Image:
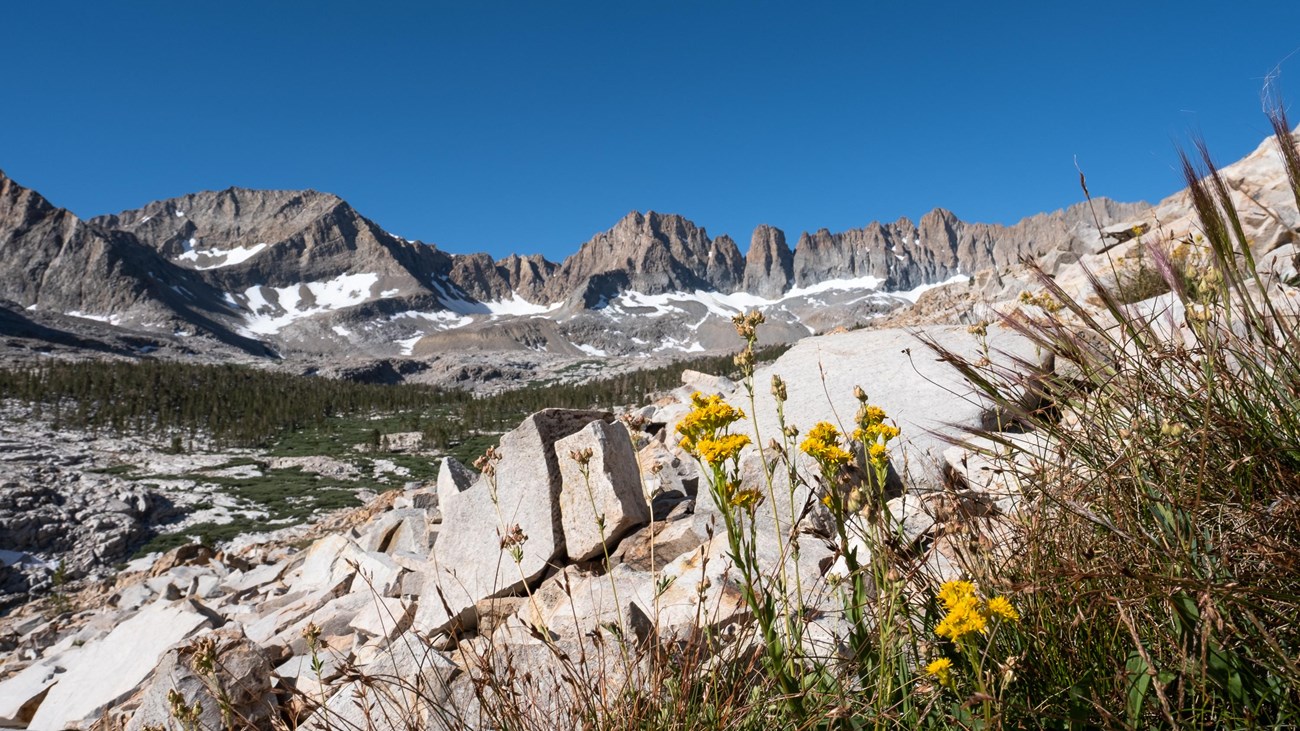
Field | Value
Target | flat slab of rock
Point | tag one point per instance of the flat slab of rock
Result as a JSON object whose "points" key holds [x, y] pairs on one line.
{"points": [[520, 503], [107, 671], [21, 694], [602, 500], [927, 398]]}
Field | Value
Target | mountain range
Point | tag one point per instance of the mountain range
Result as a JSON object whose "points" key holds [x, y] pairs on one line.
{"points": [[302, 274]]}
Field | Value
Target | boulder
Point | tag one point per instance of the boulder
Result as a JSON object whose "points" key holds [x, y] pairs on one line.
{"points": [[706, 383], [333, 620], [241, 676], [453, 478], [324, 566], [377, 573], [307, 681], [660, 543], [992, 474], [383, 617], [22, 693], [600, 497], [926, 397], [254, 577], [193, 554], [409, 681], [666, 470], [276, 615], [405, 529], [108, 671], [516, 507]]}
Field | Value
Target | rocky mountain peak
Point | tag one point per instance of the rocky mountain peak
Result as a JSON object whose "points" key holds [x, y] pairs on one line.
{"points": [[234, 218], [53, 262], [650, 253], [769, 265]]}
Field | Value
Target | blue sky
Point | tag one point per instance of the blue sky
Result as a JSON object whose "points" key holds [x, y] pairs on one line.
{"points": [[503, 127]]}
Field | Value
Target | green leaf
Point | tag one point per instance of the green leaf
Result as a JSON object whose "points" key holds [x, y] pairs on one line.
{"points": [[1139, 674]]}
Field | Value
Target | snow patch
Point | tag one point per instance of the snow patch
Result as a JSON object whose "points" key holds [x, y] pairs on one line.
{"points": [[110, 319], [217, 258], [457, 302], [592, 350], [727, 305], [444, 319], [265, 318], [911, 295]]}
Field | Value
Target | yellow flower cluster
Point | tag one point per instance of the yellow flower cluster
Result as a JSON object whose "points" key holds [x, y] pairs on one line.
{"points": [[1041, 300], [878, 455], [941, 669], [874, 434], [967, 613], [719, 450], [824, 445], [869, 434], [709, 415], [998, 606], [747, 499]]}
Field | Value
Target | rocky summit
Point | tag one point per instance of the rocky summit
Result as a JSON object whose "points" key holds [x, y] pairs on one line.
{"points": [[301, 277]]}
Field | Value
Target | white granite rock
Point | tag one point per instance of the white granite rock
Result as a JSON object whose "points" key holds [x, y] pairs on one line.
{"points": [[601, 500], [518, 505], [107, 671]]}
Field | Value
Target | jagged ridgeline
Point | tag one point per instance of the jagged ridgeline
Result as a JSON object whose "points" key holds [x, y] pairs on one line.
{"points": [[232, 405]]}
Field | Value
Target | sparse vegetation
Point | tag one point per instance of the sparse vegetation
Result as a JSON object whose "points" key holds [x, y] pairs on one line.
{"points": [[1160, 572]]}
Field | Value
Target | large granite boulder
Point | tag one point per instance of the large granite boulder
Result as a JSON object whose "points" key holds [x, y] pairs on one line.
{"points": [[240, 675], [600, 497], [512, 509]]}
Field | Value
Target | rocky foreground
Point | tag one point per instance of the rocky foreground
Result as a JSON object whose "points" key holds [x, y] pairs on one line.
{"points": [[420, 582]]}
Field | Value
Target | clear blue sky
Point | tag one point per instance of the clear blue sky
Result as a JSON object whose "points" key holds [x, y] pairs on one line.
{"points": [[528, 127]]}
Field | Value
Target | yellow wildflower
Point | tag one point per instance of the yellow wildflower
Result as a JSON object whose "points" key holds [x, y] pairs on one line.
{"points": [[998, 606], [872, 425], [719, 450], [823, 445], [747, 499], [878, 455], [963, 618], [954, 591], [941, 669], [709, 416]]}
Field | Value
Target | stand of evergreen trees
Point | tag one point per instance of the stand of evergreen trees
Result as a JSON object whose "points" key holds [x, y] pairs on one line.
{"points": [[241, 406]]}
